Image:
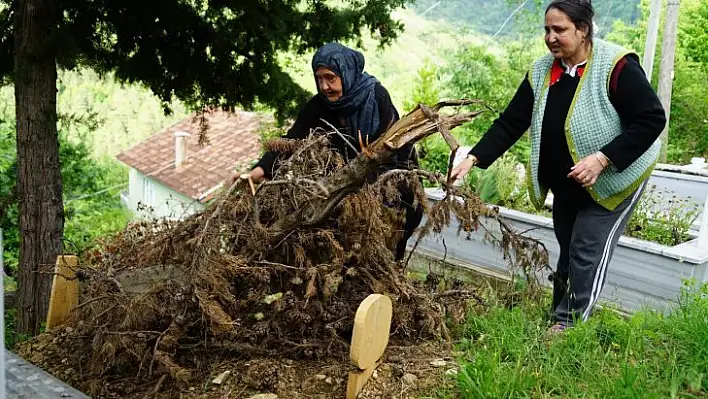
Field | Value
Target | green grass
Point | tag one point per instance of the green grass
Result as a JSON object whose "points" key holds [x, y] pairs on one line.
{"points": [[11, 336], [648, 355]]}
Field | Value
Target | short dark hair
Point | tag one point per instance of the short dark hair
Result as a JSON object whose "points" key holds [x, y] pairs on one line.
{"points": [[581, 12]]}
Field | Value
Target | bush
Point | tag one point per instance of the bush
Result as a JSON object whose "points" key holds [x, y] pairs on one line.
{"points": [[501, 184], [662, 217]]}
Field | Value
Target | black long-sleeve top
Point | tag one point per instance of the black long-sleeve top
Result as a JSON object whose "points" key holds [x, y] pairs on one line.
{"points": [[311, 118], [640, 111]]}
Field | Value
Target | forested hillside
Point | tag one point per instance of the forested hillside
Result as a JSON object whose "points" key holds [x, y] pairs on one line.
{"points": [[487, 16]]}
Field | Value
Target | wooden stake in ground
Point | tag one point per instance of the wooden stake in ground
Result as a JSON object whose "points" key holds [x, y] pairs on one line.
{"points": [[65, 291], [372, 326]]}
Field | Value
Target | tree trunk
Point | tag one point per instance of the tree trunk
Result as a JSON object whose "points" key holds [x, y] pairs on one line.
{"points": [[39, 184]]}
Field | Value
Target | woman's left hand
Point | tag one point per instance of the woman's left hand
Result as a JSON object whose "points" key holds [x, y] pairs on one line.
{"points": [[587, 170]]}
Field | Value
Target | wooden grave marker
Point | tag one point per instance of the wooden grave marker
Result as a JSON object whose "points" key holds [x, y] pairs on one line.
{"points": [[372, 326], [65, 291]]}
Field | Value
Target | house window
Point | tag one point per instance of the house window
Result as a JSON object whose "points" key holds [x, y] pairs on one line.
{"points": [[148, 192]]}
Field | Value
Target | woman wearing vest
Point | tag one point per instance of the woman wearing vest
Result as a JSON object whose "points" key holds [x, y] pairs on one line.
{"points": [[594, 122], [356, 104]]}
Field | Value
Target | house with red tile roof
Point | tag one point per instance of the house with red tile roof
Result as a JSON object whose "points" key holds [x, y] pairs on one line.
{"points": [[173, 176]]}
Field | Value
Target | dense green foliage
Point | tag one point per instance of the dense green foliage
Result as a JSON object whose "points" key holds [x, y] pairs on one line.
{"points": [[90, 212], [215, 53], [693, 34], [108, 116], [493, 71], [491, 74], [689, 108], [487, 17], [505, 354]]}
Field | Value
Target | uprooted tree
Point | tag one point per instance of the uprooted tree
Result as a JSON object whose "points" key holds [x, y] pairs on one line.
{"points": [[278, 271], [206, 53]]}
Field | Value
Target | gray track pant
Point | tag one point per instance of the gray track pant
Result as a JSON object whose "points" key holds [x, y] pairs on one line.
{"points": [[587, 238]]}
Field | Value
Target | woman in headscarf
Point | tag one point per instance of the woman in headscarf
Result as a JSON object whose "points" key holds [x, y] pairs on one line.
{"points": [[594, 122], [356, 104]]}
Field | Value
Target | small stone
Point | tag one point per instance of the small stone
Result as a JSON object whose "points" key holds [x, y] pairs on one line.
{"points": [[376, 374], [451, 372], [329, 380], [409, 378], [438, 363], [221, 378], [264, 396], [320, 377]]}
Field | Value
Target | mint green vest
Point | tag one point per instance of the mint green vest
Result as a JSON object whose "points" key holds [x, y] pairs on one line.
{"points": [[592, 122]]}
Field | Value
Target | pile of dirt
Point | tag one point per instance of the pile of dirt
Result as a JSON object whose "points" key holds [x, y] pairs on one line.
{"points": [[249, 280], [406, 372]]}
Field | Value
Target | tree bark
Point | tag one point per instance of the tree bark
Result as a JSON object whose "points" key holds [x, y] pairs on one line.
{"points": [[39, 183]]}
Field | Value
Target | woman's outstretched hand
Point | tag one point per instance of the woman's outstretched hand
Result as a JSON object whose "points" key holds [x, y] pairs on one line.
{"points": [[461, 170]]}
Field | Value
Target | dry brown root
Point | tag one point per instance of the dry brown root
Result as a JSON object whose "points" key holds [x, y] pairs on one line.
{"points": [[278, 273]]}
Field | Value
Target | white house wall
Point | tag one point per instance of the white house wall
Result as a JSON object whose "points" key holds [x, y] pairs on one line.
{"points": [[165, 202]]}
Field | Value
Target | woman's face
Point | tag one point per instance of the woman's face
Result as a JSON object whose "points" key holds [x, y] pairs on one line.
{"points": [[563, 39], [329, 84]]}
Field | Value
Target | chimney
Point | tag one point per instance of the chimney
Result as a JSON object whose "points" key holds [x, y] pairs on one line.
{"points": [[180, 147]]}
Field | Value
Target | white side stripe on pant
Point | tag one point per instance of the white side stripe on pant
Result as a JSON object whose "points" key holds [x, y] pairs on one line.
{"points": [[599, 279]]}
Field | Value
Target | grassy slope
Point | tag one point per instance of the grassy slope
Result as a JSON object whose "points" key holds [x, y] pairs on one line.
{"points": [[505, 354]]}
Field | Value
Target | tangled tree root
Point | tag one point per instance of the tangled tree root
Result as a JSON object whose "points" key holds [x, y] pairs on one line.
{"points": [[276, 274]]}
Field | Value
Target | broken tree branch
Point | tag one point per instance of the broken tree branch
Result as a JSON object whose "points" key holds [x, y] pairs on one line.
{"points": [[420, 123]]}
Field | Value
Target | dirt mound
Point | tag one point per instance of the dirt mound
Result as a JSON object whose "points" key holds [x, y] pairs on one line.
{"points": [[254, 276]]}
